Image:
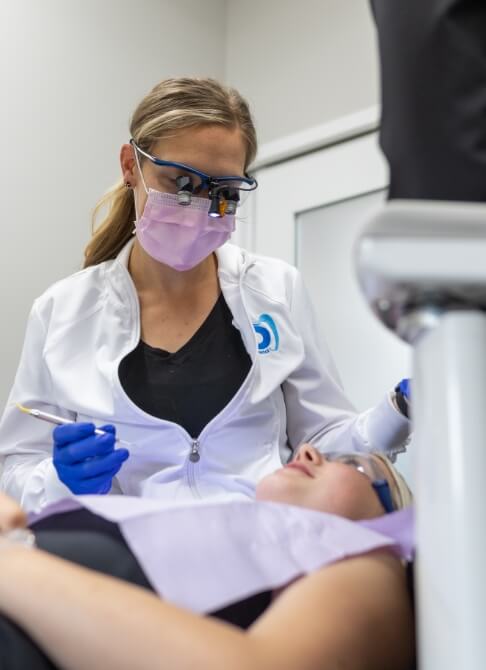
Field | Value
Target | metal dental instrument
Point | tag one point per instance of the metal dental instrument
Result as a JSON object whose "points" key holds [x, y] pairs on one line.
{"points": [[61, 421]]}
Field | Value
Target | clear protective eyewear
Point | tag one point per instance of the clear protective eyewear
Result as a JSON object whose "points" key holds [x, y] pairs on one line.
{"points": [[376, 471], [225, 193]]}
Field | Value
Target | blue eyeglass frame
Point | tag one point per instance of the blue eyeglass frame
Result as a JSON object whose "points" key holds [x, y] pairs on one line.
{"points": [[207, 181], [382, 490]]}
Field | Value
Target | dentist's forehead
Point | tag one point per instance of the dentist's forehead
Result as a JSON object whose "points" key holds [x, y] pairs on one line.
{"points": [[214, 149]]}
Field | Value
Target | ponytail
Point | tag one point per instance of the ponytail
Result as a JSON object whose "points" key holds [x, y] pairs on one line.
{"points": [[115, 229]]}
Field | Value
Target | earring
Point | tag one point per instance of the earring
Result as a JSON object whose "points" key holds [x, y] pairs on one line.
{"points": [[128, 185]]}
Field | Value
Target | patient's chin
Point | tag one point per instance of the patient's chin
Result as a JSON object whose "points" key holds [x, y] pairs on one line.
{"points": [[273, 488]]}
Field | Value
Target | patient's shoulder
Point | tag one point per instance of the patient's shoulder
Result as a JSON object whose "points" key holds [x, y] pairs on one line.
{"points": [[356, 612]]}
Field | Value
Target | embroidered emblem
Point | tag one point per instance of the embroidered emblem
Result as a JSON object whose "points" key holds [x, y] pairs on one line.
{"points": [[267, 330]]}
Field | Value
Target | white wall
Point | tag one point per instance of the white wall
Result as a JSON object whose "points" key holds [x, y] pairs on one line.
{"points": [[303, 63], [71, 73]]}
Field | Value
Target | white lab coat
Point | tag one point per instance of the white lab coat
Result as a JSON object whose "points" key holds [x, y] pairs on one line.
{"points": [[82, 326]]}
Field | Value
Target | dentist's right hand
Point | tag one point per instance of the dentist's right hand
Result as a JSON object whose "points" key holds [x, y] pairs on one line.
{"points": [[86, 462]]}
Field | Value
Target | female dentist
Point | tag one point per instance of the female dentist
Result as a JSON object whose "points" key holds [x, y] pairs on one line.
{"points": [[204, 357]]}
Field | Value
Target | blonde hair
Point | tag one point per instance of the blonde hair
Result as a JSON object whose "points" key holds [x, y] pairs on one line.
{"points": [[401, 495], [170, 106]]}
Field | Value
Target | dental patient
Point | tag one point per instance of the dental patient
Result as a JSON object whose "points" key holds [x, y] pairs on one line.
{"points": [[354, 613]]}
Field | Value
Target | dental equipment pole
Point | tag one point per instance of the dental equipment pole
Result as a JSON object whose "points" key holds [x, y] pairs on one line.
{"points": [[422, 268]]}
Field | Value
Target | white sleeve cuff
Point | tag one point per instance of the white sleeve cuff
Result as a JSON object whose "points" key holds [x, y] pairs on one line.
{"points": [[386, 428], [54, 489]]}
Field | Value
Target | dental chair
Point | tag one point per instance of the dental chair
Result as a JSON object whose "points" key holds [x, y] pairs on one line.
{"points": [[422, 268]]}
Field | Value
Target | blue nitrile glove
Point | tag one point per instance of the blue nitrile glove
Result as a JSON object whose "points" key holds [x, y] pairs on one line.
{"points": [[402, 396], [86, 462]]}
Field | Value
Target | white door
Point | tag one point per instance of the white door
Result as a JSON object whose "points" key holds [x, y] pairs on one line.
{"points": [[309, 211]]}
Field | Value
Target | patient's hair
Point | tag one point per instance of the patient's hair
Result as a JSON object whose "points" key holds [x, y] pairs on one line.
{"points": [[401, 494], [172, 105]]}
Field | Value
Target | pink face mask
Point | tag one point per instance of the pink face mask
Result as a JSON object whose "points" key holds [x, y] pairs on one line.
{"points": [[180, 236]]}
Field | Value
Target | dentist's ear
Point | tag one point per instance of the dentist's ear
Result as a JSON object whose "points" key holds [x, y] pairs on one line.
{"points": [[128, 165], [11, 514]]}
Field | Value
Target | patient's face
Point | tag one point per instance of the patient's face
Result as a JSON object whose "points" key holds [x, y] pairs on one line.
{"points": [[311, 481]]}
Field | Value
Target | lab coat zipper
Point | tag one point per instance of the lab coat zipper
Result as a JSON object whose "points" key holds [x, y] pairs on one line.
{"points": [[194, 457], [195, 454]]}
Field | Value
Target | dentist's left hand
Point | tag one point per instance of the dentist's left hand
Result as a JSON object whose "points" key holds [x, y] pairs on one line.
{"points": [[86, 462]]}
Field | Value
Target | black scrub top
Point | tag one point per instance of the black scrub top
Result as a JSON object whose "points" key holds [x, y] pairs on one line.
{"points": [[191, 386]]}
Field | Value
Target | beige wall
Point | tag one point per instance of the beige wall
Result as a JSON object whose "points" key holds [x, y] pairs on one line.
{"points": [[301, 63]]}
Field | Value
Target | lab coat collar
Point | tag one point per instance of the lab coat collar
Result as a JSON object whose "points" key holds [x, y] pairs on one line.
{"points": [[232, 262], [124, 255]]}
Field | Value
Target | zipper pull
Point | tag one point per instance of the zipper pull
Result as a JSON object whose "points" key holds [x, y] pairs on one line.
{"points": [[194, 456]]}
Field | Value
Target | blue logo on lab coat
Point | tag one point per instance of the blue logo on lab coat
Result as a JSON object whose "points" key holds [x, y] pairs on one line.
{"points": [[266, 329]]}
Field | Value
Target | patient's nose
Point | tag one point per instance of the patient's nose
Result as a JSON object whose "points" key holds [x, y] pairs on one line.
{"points": [[306, 453]]}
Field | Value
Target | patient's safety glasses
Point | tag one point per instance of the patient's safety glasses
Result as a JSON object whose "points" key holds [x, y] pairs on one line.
{"points": [[376, 471], [185, 181]]}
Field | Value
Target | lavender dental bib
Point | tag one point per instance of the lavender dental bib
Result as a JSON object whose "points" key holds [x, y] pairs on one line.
{"points": [[207, 556]]}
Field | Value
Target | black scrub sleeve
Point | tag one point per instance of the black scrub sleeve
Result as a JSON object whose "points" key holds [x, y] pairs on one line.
{"points": [[433, 93]]}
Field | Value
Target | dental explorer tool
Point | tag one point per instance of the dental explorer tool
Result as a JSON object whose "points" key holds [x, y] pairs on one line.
{"points": [[61, 421]]}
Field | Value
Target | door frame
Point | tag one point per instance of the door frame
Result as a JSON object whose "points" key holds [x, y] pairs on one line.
{"points": [[332, 174], [290, 147]]}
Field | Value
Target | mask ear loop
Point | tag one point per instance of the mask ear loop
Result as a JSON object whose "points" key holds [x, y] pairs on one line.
{"points": [[135, 151]]}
